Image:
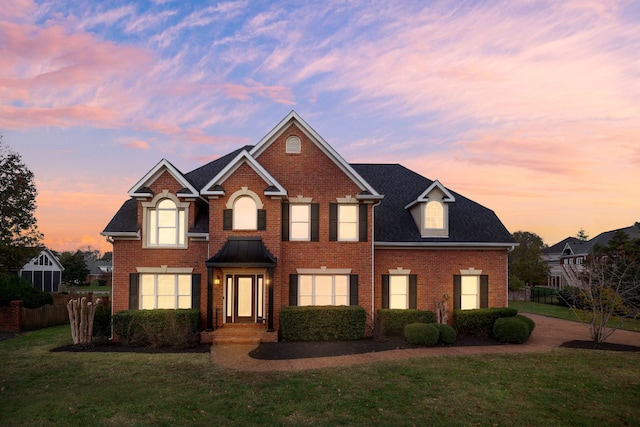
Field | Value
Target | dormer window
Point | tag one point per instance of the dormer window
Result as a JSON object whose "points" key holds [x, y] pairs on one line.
{"points": [[434, 215], [430, 211]]}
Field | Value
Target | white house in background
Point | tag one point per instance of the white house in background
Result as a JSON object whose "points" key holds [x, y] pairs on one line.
{"points": [[44, 272]]}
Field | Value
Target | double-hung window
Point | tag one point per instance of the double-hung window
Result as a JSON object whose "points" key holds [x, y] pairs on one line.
{"points": [[165, 223], [323, 290], [300, 226], [398, 291], [347, 222]]}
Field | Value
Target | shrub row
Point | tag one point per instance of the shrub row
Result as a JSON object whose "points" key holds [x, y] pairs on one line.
{"points": [[322, 323], [479, 322], [158, 328], [515, 330], [391, 322], [14, 288], [429, 334]]}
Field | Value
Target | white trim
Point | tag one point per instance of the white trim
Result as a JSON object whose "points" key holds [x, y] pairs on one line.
{"points": [[399, 272], [443, 245], [232, 166], [294, 118], [154, 174], [471, 272], [323, 270], [244, 191], [424, 197], [163, 269]]}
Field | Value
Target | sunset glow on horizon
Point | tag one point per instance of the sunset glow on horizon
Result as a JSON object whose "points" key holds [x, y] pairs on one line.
{"points": [[531, 109]]}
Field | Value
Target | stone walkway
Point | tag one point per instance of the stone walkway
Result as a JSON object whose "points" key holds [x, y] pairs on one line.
{"points": [[548, 334]]}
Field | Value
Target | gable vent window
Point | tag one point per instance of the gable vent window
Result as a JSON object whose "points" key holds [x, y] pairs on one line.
{"points": [[294, 145]]}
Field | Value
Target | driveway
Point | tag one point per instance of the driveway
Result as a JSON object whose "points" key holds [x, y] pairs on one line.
{"points": [[548, 334]]}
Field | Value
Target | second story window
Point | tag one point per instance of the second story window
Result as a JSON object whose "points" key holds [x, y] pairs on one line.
{"points": [[165, 222], [348, 222], [245, 214], [434, 215], [300, 222]]}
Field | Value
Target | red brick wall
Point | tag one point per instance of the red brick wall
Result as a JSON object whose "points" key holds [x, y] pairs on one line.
{"points": [[435, 270]]}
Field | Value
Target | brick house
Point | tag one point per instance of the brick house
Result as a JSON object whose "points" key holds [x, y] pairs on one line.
{"points": [[290, 222]]}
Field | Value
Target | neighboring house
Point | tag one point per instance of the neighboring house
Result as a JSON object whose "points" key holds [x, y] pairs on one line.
{"points": [[99, 270], [44, 271], [290, 222], [566, 257]]}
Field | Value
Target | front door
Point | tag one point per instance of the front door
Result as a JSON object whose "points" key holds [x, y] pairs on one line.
{"points": [[244, 297]]}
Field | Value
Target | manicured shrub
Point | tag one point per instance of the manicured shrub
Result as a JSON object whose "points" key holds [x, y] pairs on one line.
{"points": [[511, 330], [14, 288], [447, 333], [479, 322], [322, 323], [530, 323], [391, 322], [158, 328], [426, 334]]}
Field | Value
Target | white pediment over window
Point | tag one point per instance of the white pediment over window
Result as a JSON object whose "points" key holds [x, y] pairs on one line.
{"points": [[430, 210]]}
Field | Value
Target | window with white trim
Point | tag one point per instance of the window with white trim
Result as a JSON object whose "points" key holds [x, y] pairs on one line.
{"points": [[245, 214], [165, 291], [348, 222], [323, 290], [398, 291], [434, 215], [166, 224], [469, 292], [300, 222]]}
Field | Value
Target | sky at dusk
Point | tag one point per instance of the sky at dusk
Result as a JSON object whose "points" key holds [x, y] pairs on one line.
{"points": [[531, 108]]}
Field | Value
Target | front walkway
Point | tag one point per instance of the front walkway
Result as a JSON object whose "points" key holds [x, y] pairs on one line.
{"points": [[548, 334]]}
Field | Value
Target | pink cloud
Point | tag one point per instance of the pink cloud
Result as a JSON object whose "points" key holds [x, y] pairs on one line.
{"points": [[137, 144]]}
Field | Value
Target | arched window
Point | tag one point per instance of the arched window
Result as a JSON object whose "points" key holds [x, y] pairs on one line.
{"points": [[245, 214], [165, 223], [434, 215]]}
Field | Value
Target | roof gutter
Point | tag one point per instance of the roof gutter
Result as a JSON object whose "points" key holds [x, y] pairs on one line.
{"points": [[444, 245]]}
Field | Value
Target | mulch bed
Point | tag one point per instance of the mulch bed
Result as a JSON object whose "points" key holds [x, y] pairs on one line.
{"points": [[590, 345]]}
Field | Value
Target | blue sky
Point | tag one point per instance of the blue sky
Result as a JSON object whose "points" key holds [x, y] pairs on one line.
{"points": [[530, 108]]}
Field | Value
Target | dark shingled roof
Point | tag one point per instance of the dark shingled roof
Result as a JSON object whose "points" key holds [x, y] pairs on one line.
{"points": [[201, 176], [242, 252], [602, 239], [469, 222], [125, 220]]}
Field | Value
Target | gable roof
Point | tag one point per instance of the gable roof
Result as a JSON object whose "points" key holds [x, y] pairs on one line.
{"points": [[34, 265], [424, 197], [469, 222], [141, 188], [213, 187], [367, 191], [579, 247]]}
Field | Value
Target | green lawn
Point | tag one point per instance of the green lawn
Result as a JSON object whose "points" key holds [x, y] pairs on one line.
{"points": [[566, 313], [559, 387]]}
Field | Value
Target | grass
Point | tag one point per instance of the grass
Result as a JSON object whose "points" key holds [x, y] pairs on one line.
{"points": [[89, 288], [559, 387], [566, 313]]}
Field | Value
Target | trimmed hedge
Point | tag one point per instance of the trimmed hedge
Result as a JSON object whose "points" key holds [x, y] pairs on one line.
{"points": [[447, 333], [512, 330], [479, 322], [158, 328], [322, 323], [391, 322], [14, 288], [426, 334], [530, 323]]}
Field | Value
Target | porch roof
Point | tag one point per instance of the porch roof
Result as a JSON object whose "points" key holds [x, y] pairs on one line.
{"points": [[242, 252]]}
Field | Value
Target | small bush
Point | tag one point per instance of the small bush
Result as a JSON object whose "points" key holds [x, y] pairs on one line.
{"points": [[447, 333], [571, 296], [158, 328], [479, 322], [530, 323], [542, 292], [14, 288], [511, 330], [426, 334], [391, 322], [102, 322], [322, 323]]}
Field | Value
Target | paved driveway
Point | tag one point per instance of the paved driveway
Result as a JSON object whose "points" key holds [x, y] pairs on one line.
{"points": [[548, 334]]}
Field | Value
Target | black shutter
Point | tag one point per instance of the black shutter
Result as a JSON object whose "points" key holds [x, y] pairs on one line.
{"points": [[484, 291], [293, 289], [363, 223], [385, 291], [333, 222], [413, 291], [227, 219], [195, 291], [133, 291], [315, 222], [457, 292], [353, 289], [285, 222], [262, 219]]}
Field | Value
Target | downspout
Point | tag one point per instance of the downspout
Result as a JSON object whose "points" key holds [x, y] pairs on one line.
{"points": [[373, 266], [113, 263]]}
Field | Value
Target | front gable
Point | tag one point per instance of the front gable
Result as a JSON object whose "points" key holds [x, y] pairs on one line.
{"points": [[142, 189]]}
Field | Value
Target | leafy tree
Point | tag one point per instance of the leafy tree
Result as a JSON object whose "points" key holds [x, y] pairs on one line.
{"points": [[19, 235], [75, 267], [108, 256], [525, 261], [582, 235], [610, 289]]}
